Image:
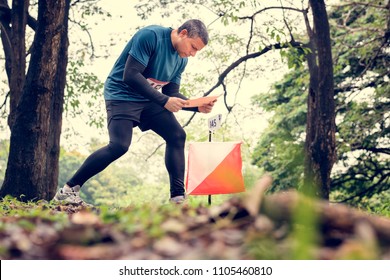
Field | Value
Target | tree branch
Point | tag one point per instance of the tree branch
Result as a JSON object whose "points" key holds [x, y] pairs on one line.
{"points": [[375, 150], [5, 101], [251, 56], [286, 23], [32, 22], [74, 3], [250, 37], [369, 191], [273, 8], [235, 64], [83, 28]]}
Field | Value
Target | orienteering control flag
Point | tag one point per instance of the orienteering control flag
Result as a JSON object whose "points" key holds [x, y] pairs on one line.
{"points": [[214, 168]]}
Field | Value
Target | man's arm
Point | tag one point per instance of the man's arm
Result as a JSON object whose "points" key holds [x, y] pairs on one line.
{"points": [[172, 89], [132, 76]]}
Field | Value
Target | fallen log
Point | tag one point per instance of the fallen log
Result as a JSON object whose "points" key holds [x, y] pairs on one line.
{"points": [[330, 216], [339, 227]]}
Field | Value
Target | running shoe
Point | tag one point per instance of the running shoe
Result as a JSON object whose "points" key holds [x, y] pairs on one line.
{"points": [[180, 199], [70, 195]]}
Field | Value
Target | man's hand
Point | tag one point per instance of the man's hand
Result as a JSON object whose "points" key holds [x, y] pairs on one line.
{"points": [[207, 108], [175, 104]]}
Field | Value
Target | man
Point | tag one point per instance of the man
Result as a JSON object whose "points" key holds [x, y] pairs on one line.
{"points": [[152, 60]]}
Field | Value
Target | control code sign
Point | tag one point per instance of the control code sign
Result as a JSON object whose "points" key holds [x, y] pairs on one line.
{"points": [[215, 122]]}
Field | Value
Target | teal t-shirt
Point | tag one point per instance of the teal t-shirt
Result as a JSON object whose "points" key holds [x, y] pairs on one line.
{"points": [[152, 47]]}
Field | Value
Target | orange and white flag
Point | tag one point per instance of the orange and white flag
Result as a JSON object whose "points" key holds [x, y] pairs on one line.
{"points": [[214, 168]]}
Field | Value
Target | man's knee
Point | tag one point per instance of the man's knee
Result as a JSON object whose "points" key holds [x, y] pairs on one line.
{"points": [[118, 149], [181, 135], [177, 136]]}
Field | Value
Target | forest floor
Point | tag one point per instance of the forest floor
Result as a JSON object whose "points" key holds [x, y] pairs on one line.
{"points": [[257, 226]]}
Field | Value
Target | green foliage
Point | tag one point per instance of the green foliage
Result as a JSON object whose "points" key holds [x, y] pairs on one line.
{"points": [[83, 91], [281, 147], [88, 10], [379, 204], [357, 47], [363, 106], [275, 33], [267, 248], [131, 219], [361, 176], [295, 56], [306, 226], [42, 210]]}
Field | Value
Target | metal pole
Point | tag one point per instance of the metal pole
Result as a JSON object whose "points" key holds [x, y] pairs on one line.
{"points": [[210, 132]]}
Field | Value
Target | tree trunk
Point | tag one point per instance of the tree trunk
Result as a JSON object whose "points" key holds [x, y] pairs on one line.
{"points": [[13, 31], [320, 146], [18, 70], [32, 170], [5, 33]]}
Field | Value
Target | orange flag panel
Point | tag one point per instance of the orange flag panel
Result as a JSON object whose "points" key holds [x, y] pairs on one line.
{"points": [[214, 168]]}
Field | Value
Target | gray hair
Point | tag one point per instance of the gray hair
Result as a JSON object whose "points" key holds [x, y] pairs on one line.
{"points": [[195, 28]]}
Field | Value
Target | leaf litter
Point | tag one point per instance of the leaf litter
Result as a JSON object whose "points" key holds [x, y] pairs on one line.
{"points": [[253, 226]]}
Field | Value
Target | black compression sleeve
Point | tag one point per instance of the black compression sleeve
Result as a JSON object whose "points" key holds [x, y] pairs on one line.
{"points": [[172, 89], [132, 76]]}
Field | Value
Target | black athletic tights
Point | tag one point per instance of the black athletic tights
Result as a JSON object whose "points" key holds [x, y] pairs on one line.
{"points": [[121, 132]]}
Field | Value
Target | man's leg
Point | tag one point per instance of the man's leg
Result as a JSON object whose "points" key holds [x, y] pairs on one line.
{"points": [[120, 133], [166, 125]]}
